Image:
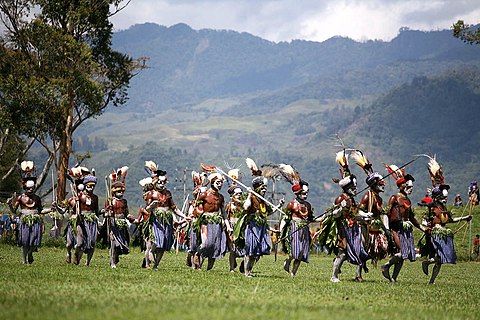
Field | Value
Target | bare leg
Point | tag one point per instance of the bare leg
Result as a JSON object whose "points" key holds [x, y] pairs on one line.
{"points": [[435, 271], [30, 254], [158, 258], [337, 264], [286, 263], [396, 270], [113, 255], [358, 274], [89, 256], [394, 260], [249, 262], [232, 259], [296, 264], [211, 262], [25, 250]]}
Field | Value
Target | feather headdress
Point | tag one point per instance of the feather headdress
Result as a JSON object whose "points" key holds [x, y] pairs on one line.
{"points": [[398, 174], [258, 179], [292, 176], [362, 161], [151, 168], [256, 172], [27, 171], [395, 171], [347, 178], [198, 179], [435, 170], [119, 175], [290, 173], [207, 169]]}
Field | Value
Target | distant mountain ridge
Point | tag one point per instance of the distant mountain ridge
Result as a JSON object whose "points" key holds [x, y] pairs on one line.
{"points": [[188, 66], [220, 96]]}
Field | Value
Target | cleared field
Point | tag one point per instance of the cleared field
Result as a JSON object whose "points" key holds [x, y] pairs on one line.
{"points": [[51, 289]]}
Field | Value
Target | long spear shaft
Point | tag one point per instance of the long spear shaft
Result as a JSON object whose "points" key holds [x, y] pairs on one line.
{"points": [[54, 196], [251, 190], [337, 205], [401, 167]]}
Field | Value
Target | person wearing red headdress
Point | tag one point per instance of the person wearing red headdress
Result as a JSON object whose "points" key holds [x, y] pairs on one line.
{"points": [[399, 219], [116, 213], [213, 238], [298, 214]]}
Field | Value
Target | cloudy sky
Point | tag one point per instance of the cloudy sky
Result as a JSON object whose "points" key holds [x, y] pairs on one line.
{"points": [[316, 20]]}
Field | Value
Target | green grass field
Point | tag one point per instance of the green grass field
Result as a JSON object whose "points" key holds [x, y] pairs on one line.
{"points": [[51, 289]]}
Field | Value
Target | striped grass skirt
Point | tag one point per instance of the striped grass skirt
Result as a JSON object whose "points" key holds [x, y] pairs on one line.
{"points": [[214, 241], [356, 253], [163, 233], [88, 236], [444, 248], [300, 242], [30, 235], [257, 240], [407, 244]]}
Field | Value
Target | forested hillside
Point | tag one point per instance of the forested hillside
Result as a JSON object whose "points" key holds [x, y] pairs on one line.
{"points": [[220, 96]]}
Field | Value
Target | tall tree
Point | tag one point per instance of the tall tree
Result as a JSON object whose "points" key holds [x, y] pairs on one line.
{"points": [[467, 33], [60, 70]]}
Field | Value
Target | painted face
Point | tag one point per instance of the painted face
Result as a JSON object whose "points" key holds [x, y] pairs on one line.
{"points": [[29, 187], [409, 187], [217, 184], [119, 194], [89, 187], [303, 195], [351, 190], [237, 193], [161, 183], [444, 196], [262, 189], [380, 186]]}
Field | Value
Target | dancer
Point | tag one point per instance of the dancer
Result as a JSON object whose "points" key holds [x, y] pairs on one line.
{"points": [[399, 219], [82, 228], [159, 203], [31, 223], [213, 237], [254, 224], [234, 211], [116, 214], [298, 214], [343, 224], [193, 227], [440, 239]]}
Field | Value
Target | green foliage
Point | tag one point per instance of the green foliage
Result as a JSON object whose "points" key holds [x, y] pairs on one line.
{"points": [[466, 33]]}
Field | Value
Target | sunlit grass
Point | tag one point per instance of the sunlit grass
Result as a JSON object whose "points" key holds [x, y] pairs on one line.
{"points": [[51, 289]]}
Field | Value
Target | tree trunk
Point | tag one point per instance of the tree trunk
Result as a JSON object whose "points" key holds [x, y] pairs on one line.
{"points": [[65, 149]]}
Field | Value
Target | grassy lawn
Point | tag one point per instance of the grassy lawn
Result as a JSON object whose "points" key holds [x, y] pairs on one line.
{"points": [[51, 289]]}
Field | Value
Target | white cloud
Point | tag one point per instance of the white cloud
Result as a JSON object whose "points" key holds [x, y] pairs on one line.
{"points": [[284, 20]]}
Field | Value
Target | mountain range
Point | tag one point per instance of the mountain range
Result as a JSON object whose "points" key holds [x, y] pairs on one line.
{"points": [[217, 97]]}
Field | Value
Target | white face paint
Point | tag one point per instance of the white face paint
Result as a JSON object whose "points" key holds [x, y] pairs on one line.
{"points": [[303, 195], [237, 193], [444, 196], [161, 183], [217, 184], [89, 187], [409, 187], [119, 194]]}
